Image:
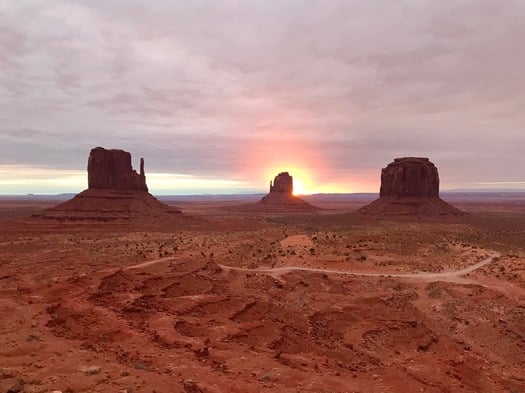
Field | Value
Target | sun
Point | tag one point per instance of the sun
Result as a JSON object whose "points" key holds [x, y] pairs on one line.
{"points": [[298, 187], [303, 182]]}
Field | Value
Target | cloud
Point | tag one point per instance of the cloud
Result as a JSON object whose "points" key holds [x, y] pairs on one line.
{"points": [[201, 87]]}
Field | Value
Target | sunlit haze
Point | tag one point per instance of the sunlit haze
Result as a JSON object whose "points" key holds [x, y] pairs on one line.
{"points": [[221, 96]]}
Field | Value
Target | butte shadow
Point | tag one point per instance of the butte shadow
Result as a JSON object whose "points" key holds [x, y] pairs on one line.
{"points": [[115, 192], [280, 199], [410, 187]]}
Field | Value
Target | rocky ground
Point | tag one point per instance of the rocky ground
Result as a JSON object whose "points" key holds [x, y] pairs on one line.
{"points": [[148, 308]]}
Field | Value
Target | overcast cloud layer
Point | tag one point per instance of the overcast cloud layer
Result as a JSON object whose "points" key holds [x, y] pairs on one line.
{"points": [[219, 89]]}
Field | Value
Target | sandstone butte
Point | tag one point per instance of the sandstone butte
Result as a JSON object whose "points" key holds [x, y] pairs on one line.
{"points": [[280, 199], [112, 170], [115, 191], [410, 186]]}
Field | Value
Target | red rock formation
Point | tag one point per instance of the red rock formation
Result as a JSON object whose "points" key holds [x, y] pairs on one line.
{"points": [[410, 187], [280, 199], [115, 191], [410, 176], [111, 169], [283, 182]]}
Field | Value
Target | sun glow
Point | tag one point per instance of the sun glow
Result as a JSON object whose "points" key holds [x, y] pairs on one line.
{"points": [[309, 168], [304, 162], [298, 188], [303, 183]]}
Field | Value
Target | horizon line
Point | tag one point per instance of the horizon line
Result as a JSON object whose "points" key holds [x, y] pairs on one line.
{"points": [[455, 190]]}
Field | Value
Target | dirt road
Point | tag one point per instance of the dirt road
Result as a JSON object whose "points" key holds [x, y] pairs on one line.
{"points": [[443, 276], [277, 271]]}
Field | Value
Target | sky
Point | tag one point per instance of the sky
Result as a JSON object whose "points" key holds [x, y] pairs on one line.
{"points": [[220, 96]]}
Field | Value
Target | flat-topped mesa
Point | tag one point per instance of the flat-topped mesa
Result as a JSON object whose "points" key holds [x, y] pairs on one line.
{"points": [[410, 177], [410, 187], [283, 183], [110, 169]]}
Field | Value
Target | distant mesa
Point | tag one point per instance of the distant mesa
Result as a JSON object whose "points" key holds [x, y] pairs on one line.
{"points": [[283, 182], [115, 191], [279, 199], [410, 186]]}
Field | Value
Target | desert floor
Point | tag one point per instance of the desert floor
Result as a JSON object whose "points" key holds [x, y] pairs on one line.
{"points": [[226, 302]]}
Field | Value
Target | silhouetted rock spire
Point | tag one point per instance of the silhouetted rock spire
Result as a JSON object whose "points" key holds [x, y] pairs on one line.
{"points": [[283, 182]]}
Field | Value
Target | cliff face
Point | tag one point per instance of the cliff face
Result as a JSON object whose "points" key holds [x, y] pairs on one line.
{"points": [[283, 183], [111, 169], [410, 177]]}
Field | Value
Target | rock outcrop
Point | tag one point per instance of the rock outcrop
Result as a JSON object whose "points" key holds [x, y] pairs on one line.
{"points": [[112, 170], [115, 192], [283, 182], [410, 177], [280, 199], [410, 187]]}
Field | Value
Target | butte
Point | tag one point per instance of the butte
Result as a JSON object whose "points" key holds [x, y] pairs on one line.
{"points": [[280, 199], [410, 187], [115, 192]]}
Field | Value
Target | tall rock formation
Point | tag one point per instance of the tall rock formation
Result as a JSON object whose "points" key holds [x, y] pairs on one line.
{"points": [[111, 169], [280, 199], [283, 182], [410, 186], [410, 177], [115, 192]]}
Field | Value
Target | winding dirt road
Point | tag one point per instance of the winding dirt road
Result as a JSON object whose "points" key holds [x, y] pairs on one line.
{"points": [[278, 271], [443, 276]]}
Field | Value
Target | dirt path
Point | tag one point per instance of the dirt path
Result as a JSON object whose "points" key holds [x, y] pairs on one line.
{"points": [[450, 276], [149, 263], [444, 276]]}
